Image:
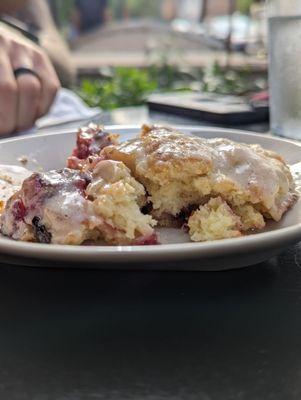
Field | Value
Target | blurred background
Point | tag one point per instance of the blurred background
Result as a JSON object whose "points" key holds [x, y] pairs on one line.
{"points": [[123, 50]]}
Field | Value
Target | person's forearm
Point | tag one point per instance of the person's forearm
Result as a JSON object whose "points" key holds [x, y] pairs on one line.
{"points": [[59, 55], [38, 14]]}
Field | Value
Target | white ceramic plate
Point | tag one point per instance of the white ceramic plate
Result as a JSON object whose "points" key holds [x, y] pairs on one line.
{"points": [[49, 151]]}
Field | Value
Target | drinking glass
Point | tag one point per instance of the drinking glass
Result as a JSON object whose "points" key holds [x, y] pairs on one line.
{"points": [[284, 22]]}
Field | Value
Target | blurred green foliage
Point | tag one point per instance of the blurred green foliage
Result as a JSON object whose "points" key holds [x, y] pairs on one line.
{"points": [[244, 5], [140, 8], [64, 10], [127, 87], [229, 82]]}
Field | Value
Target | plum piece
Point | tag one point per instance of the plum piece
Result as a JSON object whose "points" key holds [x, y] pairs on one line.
{"points": [[90, 141]]}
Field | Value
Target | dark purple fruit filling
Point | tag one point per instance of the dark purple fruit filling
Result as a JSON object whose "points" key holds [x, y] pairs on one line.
{"points": [[90, 141], [18, 210], [40, 230]]}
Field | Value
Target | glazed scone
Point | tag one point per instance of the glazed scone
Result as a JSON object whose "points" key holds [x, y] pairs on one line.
{"points": [[181, 171], [49, 208], [71, 207], [116, 199], [213, 221]]}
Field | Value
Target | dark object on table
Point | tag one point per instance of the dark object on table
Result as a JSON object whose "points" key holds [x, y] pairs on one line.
{"points": [[215, 108]]}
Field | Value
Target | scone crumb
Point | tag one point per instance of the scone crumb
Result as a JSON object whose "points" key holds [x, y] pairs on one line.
{"points": [[23, 160], [213, 221], [251, 218]]}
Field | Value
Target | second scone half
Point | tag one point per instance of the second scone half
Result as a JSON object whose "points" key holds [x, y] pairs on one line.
{"points": [[182, 173]]}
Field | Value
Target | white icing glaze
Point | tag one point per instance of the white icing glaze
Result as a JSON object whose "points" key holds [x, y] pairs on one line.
{"points": [[66, 213], [248, 168]]}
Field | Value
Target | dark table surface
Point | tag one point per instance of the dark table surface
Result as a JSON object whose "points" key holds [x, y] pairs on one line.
{"points": [[90, 334], [141, 115]]}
